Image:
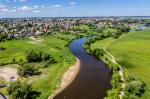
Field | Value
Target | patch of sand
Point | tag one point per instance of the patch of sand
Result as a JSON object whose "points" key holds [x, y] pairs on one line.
{"points": [[9, 74], [67, 78], [35, 40]]}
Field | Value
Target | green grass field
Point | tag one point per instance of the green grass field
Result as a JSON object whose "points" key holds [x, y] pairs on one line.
{"points": [[49, 80], [132, 52]]}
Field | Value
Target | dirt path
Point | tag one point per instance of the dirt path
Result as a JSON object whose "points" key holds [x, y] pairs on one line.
{"points": [[35, 40], [2, 96], [67, 78], [8, 73], [121, 93]]}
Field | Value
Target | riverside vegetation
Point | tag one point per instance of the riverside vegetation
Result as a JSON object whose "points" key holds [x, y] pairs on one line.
{"points": [[134, 87]]}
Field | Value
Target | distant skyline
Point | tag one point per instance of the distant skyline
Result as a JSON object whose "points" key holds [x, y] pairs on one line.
{"points": [[73, 8]]}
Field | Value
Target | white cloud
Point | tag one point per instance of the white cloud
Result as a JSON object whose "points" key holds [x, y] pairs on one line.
{"points": [[36, 11], [13, 11], [72, 3], [57, 6], [2, 6], [25, 9], [4, 10], [36, 6]]}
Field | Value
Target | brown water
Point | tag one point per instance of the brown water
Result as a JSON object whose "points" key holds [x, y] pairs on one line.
{"points": [[93, 79]]}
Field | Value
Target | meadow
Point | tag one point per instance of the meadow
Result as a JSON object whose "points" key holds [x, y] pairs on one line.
{"points": [[132, 52], [49, 80]]}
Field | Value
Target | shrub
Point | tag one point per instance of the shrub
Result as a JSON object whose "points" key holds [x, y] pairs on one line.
{"points": [[130, 78], [48, 62], [116, 36], [37, 56], [2, 48], [112, 94], [28, 70], [116, 80], [13, 60], [45, 56], [135, 87], [98, 52], [19, 90]]}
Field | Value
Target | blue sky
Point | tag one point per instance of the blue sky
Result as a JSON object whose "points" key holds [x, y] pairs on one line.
{"points": [[62, 8]]}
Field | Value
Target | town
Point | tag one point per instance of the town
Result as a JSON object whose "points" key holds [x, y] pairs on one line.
{"points": [[20, 28]]}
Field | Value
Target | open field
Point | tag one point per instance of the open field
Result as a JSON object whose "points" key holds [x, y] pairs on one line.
{"points": [[132, 52], [50, 78]]}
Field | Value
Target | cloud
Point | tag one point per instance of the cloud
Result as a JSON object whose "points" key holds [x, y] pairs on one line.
{"points": [[36, 6], [57, 6], [13, 11], [36, 11], [4, 10], [72, 3], [26, 9], [2, 6]]}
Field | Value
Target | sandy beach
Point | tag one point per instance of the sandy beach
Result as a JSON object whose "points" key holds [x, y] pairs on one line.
{"points": [[67, 78]]}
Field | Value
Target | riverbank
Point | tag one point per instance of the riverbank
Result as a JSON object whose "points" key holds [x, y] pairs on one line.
{"points": [[123, 53], [67, 78], [120, 72], [132, 53]]}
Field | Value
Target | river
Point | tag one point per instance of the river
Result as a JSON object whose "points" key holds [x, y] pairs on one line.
{"points": [[93, 79]]}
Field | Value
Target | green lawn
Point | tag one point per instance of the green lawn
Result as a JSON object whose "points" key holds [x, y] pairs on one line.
{"points": [[132, 52], [49, 80]]}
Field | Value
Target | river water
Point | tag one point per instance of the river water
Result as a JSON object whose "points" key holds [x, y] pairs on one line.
{"points": [[93, 79]]}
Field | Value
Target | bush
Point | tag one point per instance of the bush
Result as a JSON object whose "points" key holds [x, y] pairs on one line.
{"points": [[116, 80], [37, 56], [19, 90], [48, 62], [98, 52], [135, 87], [2, 48], [112, 94], [115, 36], [130, 78], [13, 61], [45, 56], [28, 70]]}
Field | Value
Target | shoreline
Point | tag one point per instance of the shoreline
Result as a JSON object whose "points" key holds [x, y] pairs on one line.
{"points": [[67, 78]]}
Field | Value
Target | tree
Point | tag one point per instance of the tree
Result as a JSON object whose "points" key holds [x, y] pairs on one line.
{"points": [[28, 70], [37, 56], [135, 87], [18, 90], [98, 52]]}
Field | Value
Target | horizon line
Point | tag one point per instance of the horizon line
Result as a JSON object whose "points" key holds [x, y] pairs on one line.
{"points": [[70, 17]]}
